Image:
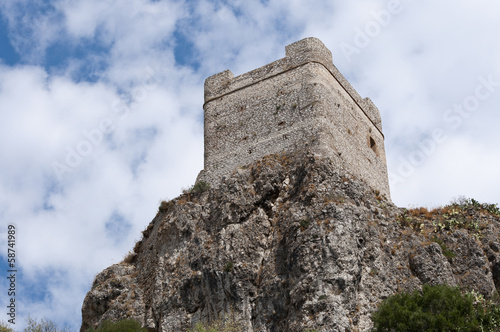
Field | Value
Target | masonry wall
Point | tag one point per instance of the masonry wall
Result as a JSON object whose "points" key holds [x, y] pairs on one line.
{"points": [[296, 103]]}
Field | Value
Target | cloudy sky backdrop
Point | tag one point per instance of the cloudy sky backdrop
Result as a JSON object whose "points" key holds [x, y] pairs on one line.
{"points": [[101, 113]]}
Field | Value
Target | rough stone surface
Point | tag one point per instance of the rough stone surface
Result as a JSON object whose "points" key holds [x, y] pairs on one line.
{"points": [[299, 101], [430, 265], [289, 243], [115, 295]]}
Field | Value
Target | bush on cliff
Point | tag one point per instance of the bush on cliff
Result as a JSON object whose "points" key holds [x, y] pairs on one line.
{"points": [[42, 325], [197, 188], [227, 324], [127, 325], [4, 327], [435, 308]]}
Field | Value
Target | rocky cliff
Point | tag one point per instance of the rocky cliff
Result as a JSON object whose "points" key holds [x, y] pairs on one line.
{"points": [[291, 243]]}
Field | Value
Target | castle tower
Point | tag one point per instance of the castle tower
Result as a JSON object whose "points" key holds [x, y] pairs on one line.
{"points": [[298, 102]]}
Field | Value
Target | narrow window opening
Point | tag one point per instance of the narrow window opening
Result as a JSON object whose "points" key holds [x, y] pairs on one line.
{"points": [[373, 145]]}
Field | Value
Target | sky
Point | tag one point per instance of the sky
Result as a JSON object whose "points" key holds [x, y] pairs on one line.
{"points": [[101, 113]]}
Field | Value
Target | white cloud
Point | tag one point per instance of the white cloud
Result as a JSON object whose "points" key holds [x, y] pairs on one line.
{"points": [[459, 167], [154, 149], [430, 57], [152, 152]]}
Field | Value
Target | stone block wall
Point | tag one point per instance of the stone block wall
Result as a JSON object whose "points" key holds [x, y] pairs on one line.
{"points": [[300, 102]]}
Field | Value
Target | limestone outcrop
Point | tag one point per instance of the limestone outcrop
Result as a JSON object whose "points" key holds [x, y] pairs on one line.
{"points": [[290, 243]]}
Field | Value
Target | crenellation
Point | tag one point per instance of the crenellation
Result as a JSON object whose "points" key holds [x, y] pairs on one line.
{"points": [[300, 102], [217, 84], [309, 50], [372, 112], [305, 51]]}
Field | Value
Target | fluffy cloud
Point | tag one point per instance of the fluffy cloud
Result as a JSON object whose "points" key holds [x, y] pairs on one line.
{"points": [[85, 164], [80, 194], [421, 64]]}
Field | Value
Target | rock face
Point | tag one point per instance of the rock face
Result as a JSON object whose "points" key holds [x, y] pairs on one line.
{"points": [[290, 243]]}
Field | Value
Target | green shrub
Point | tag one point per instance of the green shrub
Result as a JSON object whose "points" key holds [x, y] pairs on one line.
{"points": [[126, 325], [490, 321], [220, 325], [4, 327], [198, 187], [44, 325], [165, 205], [229, 266], [304, 223], [225, 323], [436, 308], [489, 312], [470, 203]]}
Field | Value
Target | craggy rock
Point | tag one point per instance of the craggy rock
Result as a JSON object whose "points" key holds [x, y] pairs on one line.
{"points": [[115, 295], [287, 243], [431, 267]]}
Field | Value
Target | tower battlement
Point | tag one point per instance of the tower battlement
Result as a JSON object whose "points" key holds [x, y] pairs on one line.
{"points": [[298, 102]]}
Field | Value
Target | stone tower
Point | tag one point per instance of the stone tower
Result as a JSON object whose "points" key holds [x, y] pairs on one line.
{"points": [[300, 102]]}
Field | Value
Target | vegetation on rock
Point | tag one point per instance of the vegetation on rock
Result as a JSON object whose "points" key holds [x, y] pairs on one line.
{"points": [[198, 187], [462, 213], [126, 325], [436, 308], [42, 325], [4, 327], [229, 324]]}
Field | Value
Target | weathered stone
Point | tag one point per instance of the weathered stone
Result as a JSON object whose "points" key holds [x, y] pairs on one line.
{"points": [[115, 295], [300, 101], [430, 265], [286, 244]]}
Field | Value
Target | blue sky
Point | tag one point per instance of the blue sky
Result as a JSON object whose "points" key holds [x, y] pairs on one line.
{"points": [[8, 54], [101, 112]]}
